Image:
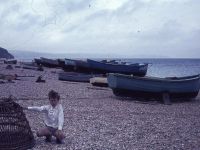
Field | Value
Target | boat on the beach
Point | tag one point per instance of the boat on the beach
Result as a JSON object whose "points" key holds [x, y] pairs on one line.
{"points": [[2, 60], [68, 65], [38, 61], [82, 66], [28, 63], [138, 69], [99, 81], [61, 62], [75, 77], [133, 86], [51, 63], [76, 66], [10, 61], [38, 68]]}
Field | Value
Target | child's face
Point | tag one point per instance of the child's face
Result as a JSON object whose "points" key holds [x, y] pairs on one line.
{"points": [[53, 101]]}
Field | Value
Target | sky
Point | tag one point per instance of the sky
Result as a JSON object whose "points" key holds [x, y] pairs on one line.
{"points": [[127, 28]]}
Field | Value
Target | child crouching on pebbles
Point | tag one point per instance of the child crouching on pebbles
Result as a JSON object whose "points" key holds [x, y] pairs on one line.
{"points": [[53, 119]]}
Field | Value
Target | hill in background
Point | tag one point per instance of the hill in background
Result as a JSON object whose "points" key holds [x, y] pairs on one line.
{"points": [[5, 54]]}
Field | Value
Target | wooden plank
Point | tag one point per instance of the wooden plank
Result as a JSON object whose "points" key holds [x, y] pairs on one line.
{"points": [[166, 99]]}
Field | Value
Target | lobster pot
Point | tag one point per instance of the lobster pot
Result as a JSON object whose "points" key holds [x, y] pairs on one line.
{"points": [[15, 132]]}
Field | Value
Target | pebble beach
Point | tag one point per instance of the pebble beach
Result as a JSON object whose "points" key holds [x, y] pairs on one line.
{"points": [[94, 118]]}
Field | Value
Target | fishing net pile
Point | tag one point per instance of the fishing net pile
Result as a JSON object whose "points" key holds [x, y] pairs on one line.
{"points": [[15, 132]]}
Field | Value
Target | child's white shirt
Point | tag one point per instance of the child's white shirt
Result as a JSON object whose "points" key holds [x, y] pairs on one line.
{"points": [[54, 117]]}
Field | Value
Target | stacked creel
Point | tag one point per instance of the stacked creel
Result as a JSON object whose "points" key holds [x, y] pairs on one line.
{"points": [[15, 132]]}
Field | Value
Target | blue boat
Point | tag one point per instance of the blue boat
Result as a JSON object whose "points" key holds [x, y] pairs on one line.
{"points": [[51, 63], [38, 61], [133, 86], [75, 77], [135, 69], [10, 61], [76, 66], [69, 65], [61, 62], [82, 66]]}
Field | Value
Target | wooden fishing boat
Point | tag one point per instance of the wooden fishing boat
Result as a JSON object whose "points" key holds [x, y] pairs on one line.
{"points": [[29, 67], [51, 63], [76, 66], [61, 62], [133, 86], [75, 77], [38, 61], [38, 68], [135, 69], [28, 64], [2, 60], [82, 66], [69, 65], [99, 81], [10, 61]]}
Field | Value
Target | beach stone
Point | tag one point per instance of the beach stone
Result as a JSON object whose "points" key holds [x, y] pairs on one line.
{"points": [[96, 119]]}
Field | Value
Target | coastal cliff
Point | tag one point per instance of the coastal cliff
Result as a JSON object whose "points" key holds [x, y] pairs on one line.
{"points": [[5, 54]]}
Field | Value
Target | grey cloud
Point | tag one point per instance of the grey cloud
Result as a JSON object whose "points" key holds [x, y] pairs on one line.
{"points": [[137, 27], [191, 42], [73, 6], [6, 10], [70, 28], [28, 21], [125, 10], [101, 14], [69, 6], [22, 21], [169, 31], [130, 7]]}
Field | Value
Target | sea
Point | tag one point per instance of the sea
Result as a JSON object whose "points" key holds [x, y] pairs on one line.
{"points": [[168, 67]]}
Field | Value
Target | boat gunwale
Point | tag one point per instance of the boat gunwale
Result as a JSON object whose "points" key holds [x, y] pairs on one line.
{"points": [[110, 64], [190, 78]]}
